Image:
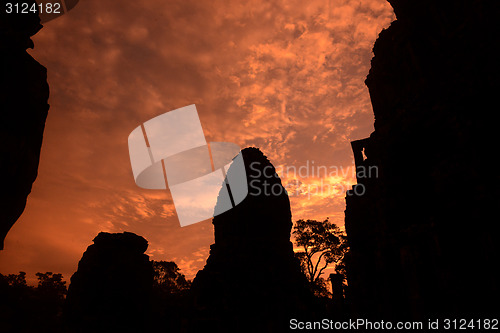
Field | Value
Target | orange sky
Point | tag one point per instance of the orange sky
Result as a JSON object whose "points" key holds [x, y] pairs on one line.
{"points": [[284, 76]]}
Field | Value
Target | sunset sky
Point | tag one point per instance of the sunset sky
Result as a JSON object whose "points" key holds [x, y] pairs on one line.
{"points": [[284, 76]]}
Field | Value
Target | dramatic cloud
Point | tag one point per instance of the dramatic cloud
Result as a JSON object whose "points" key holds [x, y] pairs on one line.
{"points": [[285, 76]]}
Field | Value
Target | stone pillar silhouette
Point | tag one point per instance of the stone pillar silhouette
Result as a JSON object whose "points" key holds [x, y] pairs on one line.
{"points": [[111, 289], [252, 281], [337, 291]]}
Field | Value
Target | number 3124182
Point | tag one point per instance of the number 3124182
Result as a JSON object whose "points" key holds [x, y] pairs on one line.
{"points": [[25, 8]]}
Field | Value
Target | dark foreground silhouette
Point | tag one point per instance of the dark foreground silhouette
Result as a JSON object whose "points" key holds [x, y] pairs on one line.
{"points": [[252, 280], [26, 309], [424, 240], [110, 291], [43, 308], [23, 107]]}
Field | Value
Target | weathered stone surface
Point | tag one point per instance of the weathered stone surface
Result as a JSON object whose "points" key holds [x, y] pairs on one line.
{"points": [[252, 281], [423, 237], [23, 106], [111, 289]]}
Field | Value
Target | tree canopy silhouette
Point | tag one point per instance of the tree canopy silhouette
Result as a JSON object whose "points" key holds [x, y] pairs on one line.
{"points": [[168, 298], [168, 278], [323, 244], [24, 308], [51, 285]]}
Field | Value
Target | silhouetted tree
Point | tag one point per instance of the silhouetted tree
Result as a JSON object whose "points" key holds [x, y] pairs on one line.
{"points": [[323, 244], [24, 308], [15, 280], [49, 298], [168, 299], [14, 296], [168, 278], [51, 285]]}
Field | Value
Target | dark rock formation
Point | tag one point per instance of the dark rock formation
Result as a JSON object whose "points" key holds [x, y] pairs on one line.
{"points": [[423, 235], [252, 281], [111, 289], [23, 106]]}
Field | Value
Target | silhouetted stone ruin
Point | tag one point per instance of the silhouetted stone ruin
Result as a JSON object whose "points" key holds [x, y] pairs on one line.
{"points": [[337, 293], [23, 106], [111, 289], [423, 236], [252, 281]]}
